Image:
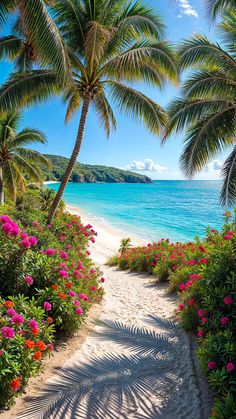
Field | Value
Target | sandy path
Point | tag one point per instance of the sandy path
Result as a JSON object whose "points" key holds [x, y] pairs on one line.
{"points": [[139, 368]]}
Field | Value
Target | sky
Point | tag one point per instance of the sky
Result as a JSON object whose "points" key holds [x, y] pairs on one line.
{"points": [[131, 146]]}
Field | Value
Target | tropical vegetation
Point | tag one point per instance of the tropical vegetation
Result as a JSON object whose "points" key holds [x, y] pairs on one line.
{"points": [[48, 283], [203, 273], [206, 110], [90, 173], [18, 163], [110, 44]]}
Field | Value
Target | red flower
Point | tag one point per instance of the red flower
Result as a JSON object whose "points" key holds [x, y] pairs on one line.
{"points": [[8, 304], [69, 285], [41, 345], [230, 366], [15, 384], [35, 331], [50, 347], [29, 344], [55, 287], [37, 356], [62, 295], [181, 307], [50, 320], [211, 365]]}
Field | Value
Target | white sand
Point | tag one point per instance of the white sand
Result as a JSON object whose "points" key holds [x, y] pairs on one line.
{"points": [[159, 375]]}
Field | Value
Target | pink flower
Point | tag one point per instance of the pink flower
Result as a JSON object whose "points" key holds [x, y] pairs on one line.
{"points": [[21, 332], [29, 280], [35, 223], [62, 238], [182, 287], [1, 352], [80, 265], [201, 313], [203, 260], [191, 302], [88, 253], [18, 319], [211, 365], [79, 311], [33, 324], [230, 366], [47, 306], [92, 271], [228, 300], [227, 237], [49, 226], [102, 280], [204, 320], [76, 273], [63, 273], [64, 255], [224, 321], [4, 219], [25, 243], [24, 235], [200, 333], [11, 312], [214, 231], [50, 252], [15, 231], [181, 307], [7, 332], [68, 246], [6, 228], [93, 288], [77, 303], [231, 233], [72, 294], [33, 240]]}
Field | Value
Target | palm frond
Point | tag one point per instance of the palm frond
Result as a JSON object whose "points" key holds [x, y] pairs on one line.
{"points": [[28, 136], [209, 136], [73, 104], [199, 51], [214, 7], [5, 7], [33, 156], [28, 88], [139, 106], [228, 30], [44, 34], [228, 173], [161, 323], [10, 47], [105, 112]]}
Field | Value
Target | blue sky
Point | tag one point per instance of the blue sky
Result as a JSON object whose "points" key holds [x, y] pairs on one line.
{"points": [[131, 145]]}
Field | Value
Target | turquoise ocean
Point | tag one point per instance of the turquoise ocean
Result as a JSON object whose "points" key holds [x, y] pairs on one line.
{"points": [[179, 210]]}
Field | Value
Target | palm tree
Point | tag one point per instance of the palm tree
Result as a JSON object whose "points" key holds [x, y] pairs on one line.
{"points": [[214, 7], [41, 37], [110, 43], [47, 196], [207, 108], [125, 245], [17, 163]]}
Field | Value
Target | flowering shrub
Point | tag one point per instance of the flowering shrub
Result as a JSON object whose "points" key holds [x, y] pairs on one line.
{"points": [[204, 274], [47, 271], [25, 338]]}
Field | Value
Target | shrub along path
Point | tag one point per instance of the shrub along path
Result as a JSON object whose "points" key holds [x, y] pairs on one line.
{"points": [[137, 362]]}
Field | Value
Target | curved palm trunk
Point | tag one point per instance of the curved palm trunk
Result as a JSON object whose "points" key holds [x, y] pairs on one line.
{"points": [[73, 158], [1, 187]]}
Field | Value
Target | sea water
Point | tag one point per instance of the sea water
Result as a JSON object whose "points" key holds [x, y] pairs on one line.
{"points": [[179, 210]]}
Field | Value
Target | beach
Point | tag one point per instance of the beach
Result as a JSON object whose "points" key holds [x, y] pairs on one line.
{"points": [[165, 374]]}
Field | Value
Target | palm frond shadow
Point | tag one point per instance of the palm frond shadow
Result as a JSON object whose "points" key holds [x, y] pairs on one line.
{"points": [[111, 386], [163, 324]]}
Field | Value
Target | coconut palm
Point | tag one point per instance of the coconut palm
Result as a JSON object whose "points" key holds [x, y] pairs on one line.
{"points": [[207, 108], [110, 43], [18, 164], [215, 7], [47, 196], [41, 38], [125, 245]]}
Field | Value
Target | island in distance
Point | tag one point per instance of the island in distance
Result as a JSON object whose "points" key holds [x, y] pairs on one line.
{"points": [[86, 173]]}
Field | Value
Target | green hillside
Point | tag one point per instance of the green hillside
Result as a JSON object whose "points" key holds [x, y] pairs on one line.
{"points": [[86, 173]]}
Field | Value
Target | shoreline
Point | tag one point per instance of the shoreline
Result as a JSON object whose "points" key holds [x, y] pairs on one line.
{"points": [[106, 232]]}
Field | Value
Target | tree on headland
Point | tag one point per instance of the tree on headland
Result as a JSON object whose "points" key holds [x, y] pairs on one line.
{"points": [[18, 164], [207, 108]]}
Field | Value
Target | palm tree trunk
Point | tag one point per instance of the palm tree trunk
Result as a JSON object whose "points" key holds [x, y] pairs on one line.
{"points": [[73, 158], [1, 187]]}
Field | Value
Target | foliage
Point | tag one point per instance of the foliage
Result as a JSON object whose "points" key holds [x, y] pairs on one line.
{"points": [[205, 275], [206, 108], [26, 338], [125, 245], [18, 163], [91, 173], [52, 280]]}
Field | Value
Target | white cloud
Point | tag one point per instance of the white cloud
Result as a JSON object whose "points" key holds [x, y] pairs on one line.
{"points": [[187, 9], [147, 165], [214, 166]]}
